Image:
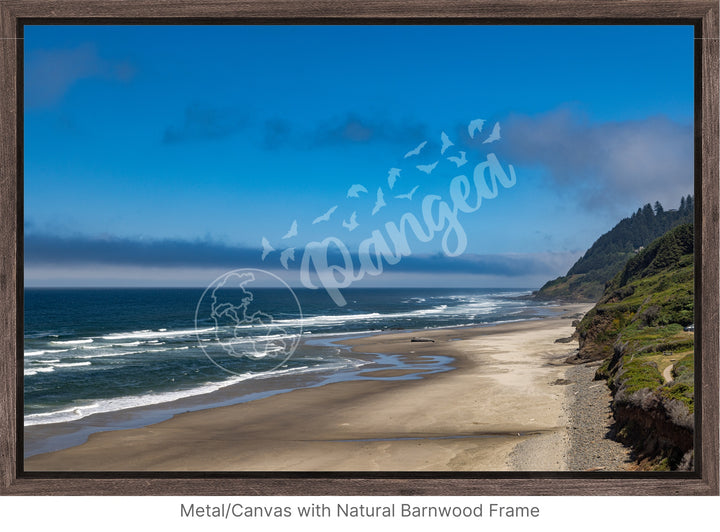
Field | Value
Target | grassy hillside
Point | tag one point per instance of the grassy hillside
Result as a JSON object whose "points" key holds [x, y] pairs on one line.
{"points": [[637, 328], [587, 278]]}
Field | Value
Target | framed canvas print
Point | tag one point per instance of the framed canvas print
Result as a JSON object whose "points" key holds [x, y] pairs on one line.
{"points": [[385, 248]]}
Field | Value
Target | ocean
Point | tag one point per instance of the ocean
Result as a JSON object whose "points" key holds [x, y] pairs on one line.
{"points": [[99, 352]]}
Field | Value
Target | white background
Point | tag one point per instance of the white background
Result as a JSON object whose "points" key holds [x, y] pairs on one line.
{"points": [[139, 514]]}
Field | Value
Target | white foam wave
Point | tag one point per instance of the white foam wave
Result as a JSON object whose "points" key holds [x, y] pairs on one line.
{"points": [[38, 352], [153, 335], [125, 353], [328, 320], [125, 402], [72, 342], [71, 364], [320, 335], [108, 355], [513, 294], [35, 371]]}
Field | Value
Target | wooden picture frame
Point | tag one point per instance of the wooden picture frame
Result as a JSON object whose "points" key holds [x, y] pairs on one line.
{"points": [[702, 14]]}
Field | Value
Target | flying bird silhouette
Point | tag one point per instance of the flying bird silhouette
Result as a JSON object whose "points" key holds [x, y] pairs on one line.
{"points": [[446, 143], [288, 254], [416, 150], [427, 168], [325, 217], [409, 195], [267, 248], [495, 135], [353, 191], [352, 224], [393, 174], [475, 125], [380, 202], [292, 232], [459, 161]]}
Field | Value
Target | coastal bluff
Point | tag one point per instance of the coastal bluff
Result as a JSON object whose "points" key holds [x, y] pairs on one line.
{"points": [[642, 330]]}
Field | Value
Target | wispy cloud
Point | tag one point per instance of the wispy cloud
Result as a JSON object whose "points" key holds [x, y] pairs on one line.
{"points": [[603, 164], [206, 123], [277, 133], [49, 74], [354, 128], [350, 129]]}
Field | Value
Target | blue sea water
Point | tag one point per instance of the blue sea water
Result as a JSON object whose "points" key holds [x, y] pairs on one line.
{"points": [[90, 351]]}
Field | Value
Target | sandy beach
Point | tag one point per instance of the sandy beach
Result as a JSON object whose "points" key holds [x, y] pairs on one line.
{"points": [[505, 394]]}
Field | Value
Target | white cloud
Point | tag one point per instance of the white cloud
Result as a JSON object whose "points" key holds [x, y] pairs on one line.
{"points": [[608, 165]]}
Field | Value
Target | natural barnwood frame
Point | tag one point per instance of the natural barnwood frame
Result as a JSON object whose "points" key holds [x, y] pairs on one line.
{"points": [[702, 14]]}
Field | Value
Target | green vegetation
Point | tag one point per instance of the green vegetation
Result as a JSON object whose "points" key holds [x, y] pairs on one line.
{"points": [[637, 327], [587, 278], [646, 305], [683, 386]]}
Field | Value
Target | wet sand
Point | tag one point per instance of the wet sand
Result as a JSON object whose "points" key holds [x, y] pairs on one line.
{"points": [[502, 393]]}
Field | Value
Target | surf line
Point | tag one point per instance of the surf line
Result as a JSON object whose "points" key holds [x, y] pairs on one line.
{"points": [[437, 216]]}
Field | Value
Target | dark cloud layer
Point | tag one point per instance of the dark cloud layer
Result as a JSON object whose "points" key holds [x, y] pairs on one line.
{"points": [[502, 265], [61, 250], [50, 250]]}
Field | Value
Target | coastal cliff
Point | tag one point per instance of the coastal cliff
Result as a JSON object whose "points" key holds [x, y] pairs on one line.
{"points": [[586, 280], [642, 329]]}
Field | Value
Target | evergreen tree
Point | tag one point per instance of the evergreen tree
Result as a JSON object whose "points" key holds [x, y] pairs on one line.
{"points": [[689, 204], [586, 279]]}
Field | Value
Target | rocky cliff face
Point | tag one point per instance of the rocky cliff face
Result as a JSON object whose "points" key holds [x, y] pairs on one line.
{"points": [[653, 416], [659, 443], [637, 328]]}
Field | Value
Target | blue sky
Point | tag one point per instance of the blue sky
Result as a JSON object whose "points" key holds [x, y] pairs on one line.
{"points": [[164, 155]]}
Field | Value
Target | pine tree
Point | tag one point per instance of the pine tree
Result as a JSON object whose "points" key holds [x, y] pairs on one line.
{"points": [[607, 256], [689, 204]]}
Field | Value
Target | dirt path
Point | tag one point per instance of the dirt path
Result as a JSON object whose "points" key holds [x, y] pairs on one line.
{"points": [[667, 373]]}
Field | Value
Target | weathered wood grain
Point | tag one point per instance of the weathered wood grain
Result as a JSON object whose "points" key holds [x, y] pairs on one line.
{"points": [[367, 9], [707, 166], [9, 260], [702, 13]]}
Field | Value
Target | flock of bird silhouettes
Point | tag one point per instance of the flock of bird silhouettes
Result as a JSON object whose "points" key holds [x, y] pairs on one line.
{"points": [[474, 127]]}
